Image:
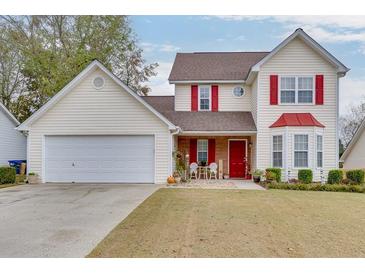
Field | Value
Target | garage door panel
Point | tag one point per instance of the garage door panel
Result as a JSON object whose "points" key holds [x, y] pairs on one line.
{"points": [[128, 159]]}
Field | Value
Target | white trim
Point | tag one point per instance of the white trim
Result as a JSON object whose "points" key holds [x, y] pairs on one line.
{"points": [[341, 68], [8, 113], [208, 82], [229, 145], [69, 87], [296, 90], [209, 98]]}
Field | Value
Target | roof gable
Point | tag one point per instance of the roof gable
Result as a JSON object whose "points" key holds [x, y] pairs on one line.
{"points": [[353, 141], [8, 114], [309, 41], [70, 86]]}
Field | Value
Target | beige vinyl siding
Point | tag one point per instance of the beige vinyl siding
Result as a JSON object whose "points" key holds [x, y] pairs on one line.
{"points": [[296, 58], [226, 100], [12, 142], [356, 157], [111, 110], [182, 97]]}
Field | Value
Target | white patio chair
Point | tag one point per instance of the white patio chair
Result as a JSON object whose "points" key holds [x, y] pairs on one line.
{"points": [[213, 168], [194, 170]]}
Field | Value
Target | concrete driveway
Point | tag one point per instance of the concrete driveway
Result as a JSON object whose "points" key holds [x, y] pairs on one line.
{"points": [[59, 220]]}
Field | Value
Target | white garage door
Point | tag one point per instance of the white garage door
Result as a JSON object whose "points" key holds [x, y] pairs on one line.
{"points": [[99, 159]]}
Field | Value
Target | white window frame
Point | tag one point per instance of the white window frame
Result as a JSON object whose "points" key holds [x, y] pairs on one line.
{"points": [[308, 149], [282, 150], [297, 89], [197, 150], [209, 98], [316, 148]]}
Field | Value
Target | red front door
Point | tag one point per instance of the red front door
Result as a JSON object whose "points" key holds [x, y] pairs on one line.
{"points": [[237, 154]]}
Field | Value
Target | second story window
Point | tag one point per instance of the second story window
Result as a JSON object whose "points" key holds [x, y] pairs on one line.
{"points": [[204, 97], [296, 90]]}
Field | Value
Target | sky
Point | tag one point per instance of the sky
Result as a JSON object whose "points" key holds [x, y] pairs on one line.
{"points": [[161, 37]]}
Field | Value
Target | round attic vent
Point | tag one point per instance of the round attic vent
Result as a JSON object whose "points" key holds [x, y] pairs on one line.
{"points": [[98, 82]]}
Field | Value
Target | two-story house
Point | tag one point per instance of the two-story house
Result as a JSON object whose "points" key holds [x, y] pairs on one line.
{"points": [[242, 110]]}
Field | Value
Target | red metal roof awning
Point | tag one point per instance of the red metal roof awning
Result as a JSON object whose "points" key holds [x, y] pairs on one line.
{"points": [[297, 120]]}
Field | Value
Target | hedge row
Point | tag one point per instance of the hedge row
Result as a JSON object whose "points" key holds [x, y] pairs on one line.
{"points": [[7, 175], [355, 176], [317, 187]]}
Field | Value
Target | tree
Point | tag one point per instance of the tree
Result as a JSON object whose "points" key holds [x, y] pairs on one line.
{"points": [[54, 49], [350, 122]]}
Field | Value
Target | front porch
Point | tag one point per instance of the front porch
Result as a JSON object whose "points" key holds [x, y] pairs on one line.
{"points": [[232, 153]]}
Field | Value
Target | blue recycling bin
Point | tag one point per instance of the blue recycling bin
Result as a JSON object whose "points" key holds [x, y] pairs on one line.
{"points": [[16, 164]]}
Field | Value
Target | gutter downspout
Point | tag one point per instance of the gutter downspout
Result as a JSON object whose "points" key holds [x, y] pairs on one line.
{"points": [[175, 132]]}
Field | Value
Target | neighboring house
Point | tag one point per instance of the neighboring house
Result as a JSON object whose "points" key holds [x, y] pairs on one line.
{"points": [[354, 155], [12, 142], [245, 110]]}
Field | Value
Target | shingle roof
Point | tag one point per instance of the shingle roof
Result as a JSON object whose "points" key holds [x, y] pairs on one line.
{"points": [[297, 119], [204, 120], [214, 65]]}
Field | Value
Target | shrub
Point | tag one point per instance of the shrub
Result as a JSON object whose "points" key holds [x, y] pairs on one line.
{"points": [[356, 175], [335, 176], [7, 175], [277, 172], [318, 187], [305, 176], [270, 176], [345, 181]]}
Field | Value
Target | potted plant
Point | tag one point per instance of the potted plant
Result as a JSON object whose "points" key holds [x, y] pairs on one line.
{"points": [[257, 175], [225, 176], [177, 177], [32, 178]]}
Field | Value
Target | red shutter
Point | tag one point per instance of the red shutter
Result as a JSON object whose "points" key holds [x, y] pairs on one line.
{"points": [[273, 89], [193, 150], [211, 151], [194, 98], [214, 98], [319, 90]]}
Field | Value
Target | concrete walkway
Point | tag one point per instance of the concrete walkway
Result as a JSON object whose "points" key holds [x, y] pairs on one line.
{"points": [[63, 220], [219, 184]]}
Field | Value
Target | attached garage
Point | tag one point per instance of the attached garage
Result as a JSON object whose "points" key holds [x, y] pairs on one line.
{"points": [[97, 130], [99, 159]]}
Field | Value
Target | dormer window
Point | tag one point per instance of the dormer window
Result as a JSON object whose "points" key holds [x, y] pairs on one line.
{"points": [[204, 98]]}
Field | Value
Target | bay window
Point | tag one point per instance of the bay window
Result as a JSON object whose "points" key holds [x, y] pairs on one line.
{"points": [[277, 151], [300, 150], [319, 151]]}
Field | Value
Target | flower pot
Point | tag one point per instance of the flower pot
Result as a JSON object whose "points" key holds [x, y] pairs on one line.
{"points": [[256, 179], [33, 179], [225, 176]]}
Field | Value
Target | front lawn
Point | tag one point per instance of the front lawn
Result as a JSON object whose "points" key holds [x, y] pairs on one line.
{"points": [[240, 223]]}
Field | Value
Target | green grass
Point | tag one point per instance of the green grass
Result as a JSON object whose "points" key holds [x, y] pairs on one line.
{"points": [[240, 223], [10, 185]]}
